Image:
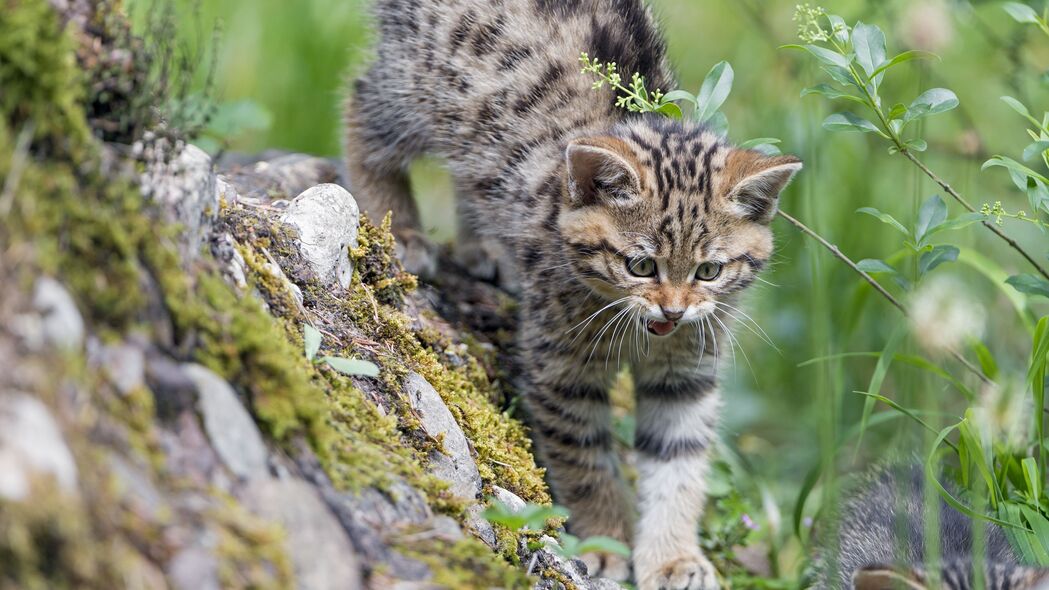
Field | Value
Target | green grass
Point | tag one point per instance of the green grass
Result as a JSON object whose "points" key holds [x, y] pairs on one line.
{"points": [[783, 419]]}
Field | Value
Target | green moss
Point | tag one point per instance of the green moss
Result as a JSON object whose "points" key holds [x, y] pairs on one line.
{"points": [[42, 87], [466, 564], [251, 551]]}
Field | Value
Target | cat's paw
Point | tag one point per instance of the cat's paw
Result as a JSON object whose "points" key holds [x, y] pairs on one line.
{"points": [[476, 259], [686, 572], [606, 565], [417, 254]]}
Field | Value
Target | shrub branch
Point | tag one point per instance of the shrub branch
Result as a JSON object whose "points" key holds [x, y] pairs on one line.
{"points": [[873, 283]]}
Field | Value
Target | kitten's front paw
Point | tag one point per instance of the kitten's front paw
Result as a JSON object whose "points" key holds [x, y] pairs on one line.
{"points": [[417, 254], [606, 565], [686, 572]]}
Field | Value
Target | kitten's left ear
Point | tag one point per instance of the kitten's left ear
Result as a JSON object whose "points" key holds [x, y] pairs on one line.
{"points": [[752, 182]]}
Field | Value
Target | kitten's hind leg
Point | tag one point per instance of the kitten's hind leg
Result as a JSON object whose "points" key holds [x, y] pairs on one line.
{"points": [[482, 256], [571, 426], [379, 147]]}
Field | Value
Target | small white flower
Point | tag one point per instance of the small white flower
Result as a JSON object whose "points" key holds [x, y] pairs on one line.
{"points": [[944, 316]]}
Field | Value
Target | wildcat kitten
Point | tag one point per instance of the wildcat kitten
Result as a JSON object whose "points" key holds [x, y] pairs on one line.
{"points": [[631, 234], [881, 544]]}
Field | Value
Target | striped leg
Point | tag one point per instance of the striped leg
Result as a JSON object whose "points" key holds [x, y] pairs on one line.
{"points": [[571, 424], [677, 418]]}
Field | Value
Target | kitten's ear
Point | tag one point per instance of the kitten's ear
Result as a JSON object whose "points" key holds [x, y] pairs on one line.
{"points": [[888, 578], [754, 181], [601, 170]]}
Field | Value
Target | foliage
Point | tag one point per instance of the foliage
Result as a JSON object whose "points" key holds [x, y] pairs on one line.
{"points": [[312, 343]]}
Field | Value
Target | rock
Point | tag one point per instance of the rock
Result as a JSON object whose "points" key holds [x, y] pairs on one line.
{"points": [[61, 325], [278, 175], [231, 262], [320, 551], [327, 220], [480, 526], [572, 570], [194, 568], [455, 465], [173, 391], [124, 364], [31, 444], [183, 184], [510, 499], [230, 428]]}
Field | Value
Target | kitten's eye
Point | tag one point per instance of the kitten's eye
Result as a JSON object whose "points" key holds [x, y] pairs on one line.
{"points": [[641, 267], [708, 271]]}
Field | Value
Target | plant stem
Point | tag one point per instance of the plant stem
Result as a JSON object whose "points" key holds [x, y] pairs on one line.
{"points": [[877, 286], [957, 197]]}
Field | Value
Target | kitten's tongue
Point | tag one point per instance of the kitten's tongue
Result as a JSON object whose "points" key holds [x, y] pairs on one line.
{"points": [[660, 328]]}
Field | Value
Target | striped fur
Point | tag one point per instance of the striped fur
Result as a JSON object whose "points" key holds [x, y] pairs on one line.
{"points": [[572, 188], [881, 542]]}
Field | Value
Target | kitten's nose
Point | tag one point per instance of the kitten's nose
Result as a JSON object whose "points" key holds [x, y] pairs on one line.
{"points": [[672, 314]]}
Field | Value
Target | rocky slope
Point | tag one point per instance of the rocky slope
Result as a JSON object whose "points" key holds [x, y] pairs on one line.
{"points": [[162, 421]]}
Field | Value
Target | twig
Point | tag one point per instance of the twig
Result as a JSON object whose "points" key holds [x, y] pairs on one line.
{"points": [[957, 197], [877, 286]]}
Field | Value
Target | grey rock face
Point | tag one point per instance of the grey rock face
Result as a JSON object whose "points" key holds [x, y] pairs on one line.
{"points": [[124, 364], [455, 465], [183, 186], [320, 551], [194, 568], [327, 220], [31, 444], [230, 428], [510, 499], [60, 324]]}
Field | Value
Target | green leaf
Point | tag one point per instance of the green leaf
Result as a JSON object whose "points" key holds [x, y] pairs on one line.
{"points": [[842, 76], [671, 110], [676, 95], [937, 256], [714, 91], [1021, 13], [932, 213], [602, 544], [1021, 109], [931, 102], [878, 377], [905, 57], [751, 143], [719, 123], [531, 516], [825, 56], [1030, 284], [916, 145], [352, 367], [312, 339], [987, 363], [1032, 478], [1011, 164], [831, 92], [885, 218], [959, 222], [869, 43], [874, 266], [1035, 149], [850, 122], [839, 28], [897, 111]]}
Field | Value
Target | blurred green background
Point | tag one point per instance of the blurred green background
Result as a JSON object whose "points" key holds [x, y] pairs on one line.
{"points": [[292, 59]]}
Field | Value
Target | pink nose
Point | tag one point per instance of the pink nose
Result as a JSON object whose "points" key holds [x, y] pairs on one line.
{"points": [[672, 314]]}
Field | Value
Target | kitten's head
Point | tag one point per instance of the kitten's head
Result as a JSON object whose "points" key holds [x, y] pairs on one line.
{"points": [[669, 216]]}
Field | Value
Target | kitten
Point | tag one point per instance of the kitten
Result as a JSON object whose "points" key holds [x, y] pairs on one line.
{"points": [[631, 235], [881, 543]]}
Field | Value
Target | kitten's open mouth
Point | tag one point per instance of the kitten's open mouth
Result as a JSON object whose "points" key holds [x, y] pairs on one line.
{"points": [[660, 328]]}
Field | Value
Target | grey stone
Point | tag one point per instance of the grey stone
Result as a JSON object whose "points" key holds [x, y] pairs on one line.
{"points": [[61, 325], [232, 263], [31, 444], [182, 182], [194, 568], [327, 220], [572, 570], [228, 425], [124, 364], [321, 553], [455, 465], [480, 526], [508, 498]]}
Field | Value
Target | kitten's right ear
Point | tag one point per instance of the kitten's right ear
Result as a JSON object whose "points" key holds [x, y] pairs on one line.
{"points": [[601, 170], [887, 578]]}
